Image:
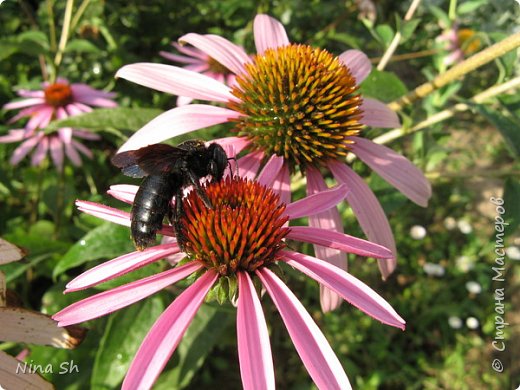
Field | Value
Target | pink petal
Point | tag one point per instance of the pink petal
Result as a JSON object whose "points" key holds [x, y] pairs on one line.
{"points": [[123, 192], [312, 346], [165, 335], [191, 51], [31, 94], [56, 150], [328, 220], [180, 59], [316, 203], [369, 213], [119, 266], [340, 241], [395, 169], [104, 212], [23, 150], [232, 56], [269, 33], [238, 143], [85, 134], [24, 103], [81, 91], [358, 64], [350, 288], [271, 169], [109, 301], [41, 151], [178, 121], [40, 119], [72, 154], [177, 81], [183, 100], [254, 349], [249, 165], [81, 148], [282, 184], [377, 114], [13, 136]]}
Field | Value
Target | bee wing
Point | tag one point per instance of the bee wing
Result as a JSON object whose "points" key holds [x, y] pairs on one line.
{"points": [[155, 159]]}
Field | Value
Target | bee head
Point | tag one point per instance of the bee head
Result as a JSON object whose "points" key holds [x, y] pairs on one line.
{"points": [[218, 161]]}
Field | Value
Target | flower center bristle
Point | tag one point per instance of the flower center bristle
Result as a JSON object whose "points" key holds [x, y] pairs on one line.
{"points": [[298, 102], [241, 232], [217, 67], [58, 94]]}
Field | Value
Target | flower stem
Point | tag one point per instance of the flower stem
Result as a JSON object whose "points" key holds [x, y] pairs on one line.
{"points": [[459, 70], [3, 291], [408, 56], [397, 37], [79, 13], [34, 24], [64, 34], [452, 13], [446, 114]]}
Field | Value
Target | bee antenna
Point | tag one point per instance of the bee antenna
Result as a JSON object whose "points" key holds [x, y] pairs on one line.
{"points": [[236, 166]]}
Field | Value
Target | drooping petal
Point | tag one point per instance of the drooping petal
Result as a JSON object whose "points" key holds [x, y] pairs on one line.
{"points": [[328, 220], [269, 33], [160, 343], [377, 114], [107, 213], [123, 192], [340, 241], [271, 169], [178, 121], [40, 118], [316, 203], [312, 346], [13, 136], [369, 213], [72, 154], [254, 349], [180, 59], [358, 63], [40, 152], [238, 143], [350, 288], [111, 300], [120, 266], [56, 150], [24, 149], [232, 56], [249, 165], [282, 184], [81, 148], [177, 81], [395, 169]]}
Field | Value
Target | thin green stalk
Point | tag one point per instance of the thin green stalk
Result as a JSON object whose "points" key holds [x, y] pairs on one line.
{"points": [[487, 55], [452, 13], [52, 26], [34, 24], [397, 37], [64, 34], [60, 201], [481, 97], [79, 13]]}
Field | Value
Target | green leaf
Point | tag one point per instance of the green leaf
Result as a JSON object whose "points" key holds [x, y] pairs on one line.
{"points": [[508, 126], [118, 118], [29, 42], [382, 85], [123, 335], [203, 334], [105, 241], [511, 204], [385, 33], [408, 28], [441, 16], [81, 46], [470, 6]]}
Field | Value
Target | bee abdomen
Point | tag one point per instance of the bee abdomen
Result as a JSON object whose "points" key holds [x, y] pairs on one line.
{"points": [[150, 206]]}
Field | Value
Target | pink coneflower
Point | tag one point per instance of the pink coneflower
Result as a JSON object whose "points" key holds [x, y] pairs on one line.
{"points": [[56, 101], [198, 61], [241, 238], [460, 43], [297, 103]]}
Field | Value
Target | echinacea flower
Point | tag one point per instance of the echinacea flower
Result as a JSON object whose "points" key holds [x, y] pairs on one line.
{"points": [[459, 43], [297, 106], [198, 61], [242, 237], [58, 100]]}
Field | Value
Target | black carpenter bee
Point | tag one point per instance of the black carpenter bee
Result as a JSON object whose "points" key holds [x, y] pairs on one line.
{"points": [[167, 170]]}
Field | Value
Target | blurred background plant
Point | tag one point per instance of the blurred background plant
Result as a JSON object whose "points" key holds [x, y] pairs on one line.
{"points": [[464, 135]]}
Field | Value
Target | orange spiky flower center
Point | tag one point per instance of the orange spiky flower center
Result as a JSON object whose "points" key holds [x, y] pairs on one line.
{"points": [[298, 102], [58, 94], [241, 232]]}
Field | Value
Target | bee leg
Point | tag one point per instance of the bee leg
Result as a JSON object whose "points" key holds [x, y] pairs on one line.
{"points": [[175, 216], [195, 180]]}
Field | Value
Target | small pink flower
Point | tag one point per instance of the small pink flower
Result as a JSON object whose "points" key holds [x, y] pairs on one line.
{"points": [[198, 61], [241, 237], [299, 105], [56, 101], [460, 43]]}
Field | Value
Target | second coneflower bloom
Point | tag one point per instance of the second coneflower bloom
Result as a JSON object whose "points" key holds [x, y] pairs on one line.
{"points": [[297, 107], [243, 238], [57, 100]]}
